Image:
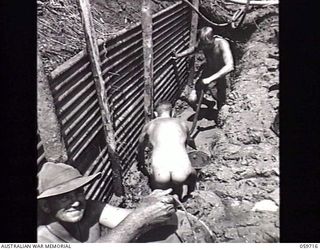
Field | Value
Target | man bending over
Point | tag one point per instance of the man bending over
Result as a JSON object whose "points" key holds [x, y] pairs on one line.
{"points": [[170, 164]]}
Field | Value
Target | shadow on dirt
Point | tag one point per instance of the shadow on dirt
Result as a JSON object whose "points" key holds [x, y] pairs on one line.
{"points": [[205, 113]]}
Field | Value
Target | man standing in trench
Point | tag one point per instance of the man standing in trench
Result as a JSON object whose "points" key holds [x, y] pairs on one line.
{"points": [[219, 63], [73, 219]]}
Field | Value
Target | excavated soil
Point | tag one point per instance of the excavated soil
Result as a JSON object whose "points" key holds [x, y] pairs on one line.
{"points": [[237, 194]]}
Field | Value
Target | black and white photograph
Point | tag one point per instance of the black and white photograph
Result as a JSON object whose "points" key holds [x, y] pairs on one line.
{"points": [[158, 121]]}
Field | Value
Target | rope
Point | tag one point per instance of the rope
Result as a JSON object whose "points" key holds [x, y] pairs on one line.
{"points": [[242, 12], [195, 119], [187, 216], [203, 17], [253, 2], [239, 13]]}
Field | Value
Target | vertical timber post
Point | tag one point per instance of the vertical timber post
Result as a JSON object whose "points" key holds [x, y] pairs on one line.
{"points": [[148, 58], [48, 125], [193, 40], [93, 52]]}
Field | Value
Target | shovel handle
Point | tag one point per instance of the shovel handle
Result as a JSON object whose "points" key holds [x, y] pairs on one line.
{"points": [[195, 119]]}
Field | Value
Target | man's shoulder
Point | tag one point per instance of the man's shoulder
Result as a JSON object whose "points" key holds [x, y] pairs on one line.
{"points": [[44, 235], [42, 229], [170, 120], [222, 41]]}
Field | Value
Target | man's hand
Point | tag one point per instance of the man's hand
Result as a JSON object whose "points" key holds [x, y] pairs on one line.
{"points": [[156, 207], [207, 83], [174, 56], [192, 143]]}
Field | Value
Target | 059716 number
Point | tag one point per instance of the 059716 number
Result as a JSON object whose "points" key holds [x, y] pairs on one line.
{"points": [[308, 245]]}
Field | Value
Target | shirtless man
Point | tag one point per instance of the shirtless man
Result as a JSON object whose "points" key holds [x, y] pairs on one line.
{"points": [[69, 217], [219, 62], [170, 164]]}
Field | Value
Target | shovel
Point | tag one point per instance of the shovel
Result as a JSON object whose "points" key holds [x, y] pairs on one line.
{"points": [[195, 118]]}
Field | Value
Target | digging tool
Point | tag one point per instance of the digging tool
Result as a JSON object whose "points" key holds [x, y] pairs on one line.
{"points": [[195, 119], [176, 74], [190, 141]]}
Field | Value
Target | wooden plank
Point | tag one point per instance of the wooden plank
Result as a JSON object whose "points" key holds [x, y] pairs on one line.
{"points": [[48, 124], [168, 10], [102, 156], [93, 52], [61, 69], [193, 41], [148, 59], [63, 85]]}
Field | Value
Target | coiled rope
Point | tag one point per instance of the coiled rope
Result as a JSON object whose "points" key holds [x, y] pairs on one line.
{"points": [[240, 13], [203, 17]]}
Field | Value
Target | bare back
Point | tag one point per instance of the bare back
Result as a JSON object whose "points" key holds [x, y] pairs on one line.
{"points": [[168, 137], [167, 132]]}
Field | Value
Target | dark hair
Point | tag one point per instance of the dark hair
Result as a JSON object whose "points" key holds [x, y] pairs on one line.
{"points": [[164, 106]]}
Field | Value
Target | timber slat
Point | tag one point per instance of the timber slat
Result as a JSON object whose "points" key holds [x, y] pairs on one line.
{"points": [[127, 128], [93, 168], [73, 124], [92, 129], [66, 114], [163, 95], [133, 95], [96, 187], [163, 79], [59, 87], [83, 128], [86, 144], [122, 127]]}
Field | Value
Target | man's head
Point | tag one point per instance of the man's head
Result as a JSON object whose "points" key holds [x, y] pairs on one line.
{"points": [[68, 207], [61, 191], [206, 36], [164, 108]]}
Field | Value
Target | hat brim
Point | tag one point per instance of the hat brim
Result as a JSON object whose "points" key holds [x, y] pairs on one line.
{"points": [[69, 186]]}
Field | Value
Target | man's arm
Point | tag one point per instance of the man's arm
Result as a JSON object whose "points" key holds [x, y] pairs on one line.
{"points": [[190, 140], [142, 145], [141, 149], [228, 63], [187, 52], [112, 216], [154, 209]]}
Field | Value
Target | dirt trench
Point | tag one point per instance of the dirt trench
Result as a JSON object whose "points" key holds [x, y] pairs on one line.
{"points": [[237, 194]]}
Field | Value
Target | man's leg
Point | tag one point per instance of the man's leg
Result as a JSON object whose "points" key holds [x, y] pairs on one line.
{"points": [[184, 188], [209, 104], [160, 180], [177, 189], [221, 92], [191, 181], [180, 182]]}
